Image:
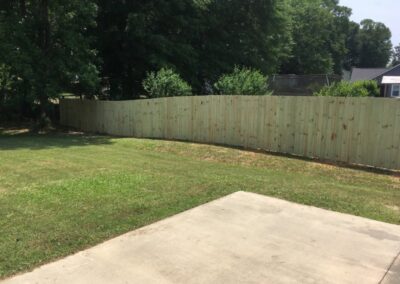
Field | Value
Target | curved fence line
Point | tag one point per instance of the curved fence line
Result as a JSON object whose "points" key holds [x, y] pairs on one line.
{"points": [[362, 131]]}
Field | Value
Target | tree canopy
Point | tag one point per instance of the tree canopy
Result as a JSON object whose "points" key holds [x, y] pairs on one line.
{"points": [[375, 44], [199, 39], [106, 48], [396, 56], [319, 29], [46, 47]]}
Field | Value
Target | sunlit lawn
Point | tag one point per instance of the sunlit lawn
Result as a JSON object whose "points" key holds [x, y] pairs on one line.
{"points": [[60, 193]]}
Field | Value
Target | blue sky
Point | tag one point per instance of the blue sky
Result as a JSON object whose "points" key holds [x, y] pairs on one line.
{"points": [[385, 11]]}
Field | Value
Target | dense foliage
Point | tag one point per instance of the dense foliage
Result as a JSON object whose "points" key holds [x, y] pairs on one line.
{"points": [[396, 56], [165, 83], [200, 39], [326, 41], [375, 45], [107, 47], [46, 47], [347, 89], [243, 81], [320, 28]]}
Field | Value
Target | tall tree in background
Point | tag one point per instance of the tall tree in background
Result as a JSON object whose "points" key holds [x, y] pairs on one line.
{"points": [[253, 33], [341, 27], [200, 39], [136, 37], [141, 36], [396, 56], [46, 46], [320, 29], [353, 45], [375, 44]]}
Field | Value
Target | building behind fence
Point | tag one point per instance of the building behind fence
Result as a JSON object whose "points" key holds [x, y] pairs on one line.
{"points": [[353, 130], [300, 85]]}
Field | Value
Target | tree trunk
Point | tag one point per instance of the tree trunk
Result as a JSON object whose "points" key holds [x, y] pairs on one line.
{"points": [[44, 29], [22, 7], [44, 44]]}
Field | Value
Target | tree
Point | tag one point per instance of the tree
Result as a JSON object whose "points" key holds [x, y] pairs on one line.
{"points": [[136, 37], [200, 39], [353, 45], [320, 29], [375, 44], [396, 56], [341, 26], [6, 85], [47, 47], [254, 33]]}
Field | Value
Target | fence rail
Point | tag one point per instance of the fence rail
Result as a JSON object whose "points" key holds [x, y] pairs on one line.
{"points": [[353, 130]]}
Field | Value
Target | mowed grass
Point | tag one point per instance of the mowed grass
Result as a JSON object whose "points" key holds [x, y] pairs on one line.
{"points": [[61, 193]]}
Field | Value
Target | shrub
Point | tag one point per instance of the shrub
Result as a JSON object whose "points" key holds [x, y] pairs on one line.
{"points": [[165, 83], [243, 81], [347, 89]]}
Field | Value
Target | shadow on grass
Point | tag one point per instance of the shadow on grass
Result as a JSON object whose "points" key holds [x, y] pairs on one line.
{"points": [[14, 138]]}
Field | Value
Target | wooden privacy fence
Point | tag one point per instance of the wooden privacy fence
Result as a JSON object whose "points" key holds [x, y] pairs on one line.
{"points": [[354, 130]]}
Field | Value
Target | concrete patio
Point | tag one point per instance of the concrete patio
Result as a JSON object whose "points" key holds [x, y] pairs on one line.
{"points": [[241, 238]]}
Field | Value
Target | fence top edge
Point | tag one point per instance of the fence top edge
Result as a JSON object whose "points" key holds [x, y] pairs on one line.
{"points": [[235, 96]]}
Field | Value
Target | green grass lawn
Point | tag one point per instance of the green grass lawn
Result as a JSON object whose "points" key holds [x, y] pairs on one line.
{"points": [[61, 193]]}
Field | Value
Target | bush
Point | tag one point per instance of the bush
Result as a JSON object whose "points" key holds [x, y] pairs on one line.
{"points": [[347, 89], [243, 81], [165, 83]]}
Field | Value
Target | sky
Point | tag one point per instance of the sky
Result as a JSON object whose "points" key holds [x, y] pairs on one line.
{"points": [[385, 11]]}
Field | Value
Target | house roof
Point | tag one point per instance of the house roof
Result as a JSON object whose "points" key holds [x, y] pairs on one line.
{"points": [[361, 74]]}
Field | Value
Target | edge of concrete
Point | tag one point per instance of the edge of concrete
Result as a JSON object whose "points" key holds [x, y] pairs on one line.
{"points": [[392, 275]]}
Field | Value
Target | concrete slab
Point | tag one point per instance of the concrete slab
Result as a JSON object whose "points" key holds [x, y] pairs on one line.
{"points": [[241, 238]]}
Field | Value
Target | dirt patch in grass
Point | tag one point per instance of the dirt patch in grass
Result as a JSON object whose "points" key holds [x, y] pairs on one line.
{"points": [[14, 131], [394, 208]]}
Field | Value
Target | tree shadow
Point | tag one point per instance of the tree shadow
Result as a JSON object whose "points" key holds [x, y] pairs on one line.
{"points": [[14, 138]]}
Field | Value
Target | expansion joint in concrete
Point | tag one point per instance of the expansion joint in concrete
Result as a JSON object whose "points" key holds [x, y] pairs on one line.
{"points": [[390, 268]]}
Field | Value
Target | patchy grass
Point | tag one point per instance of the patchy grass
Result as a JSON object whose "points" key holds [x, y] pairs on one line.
{"points": [[60, 193]]}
